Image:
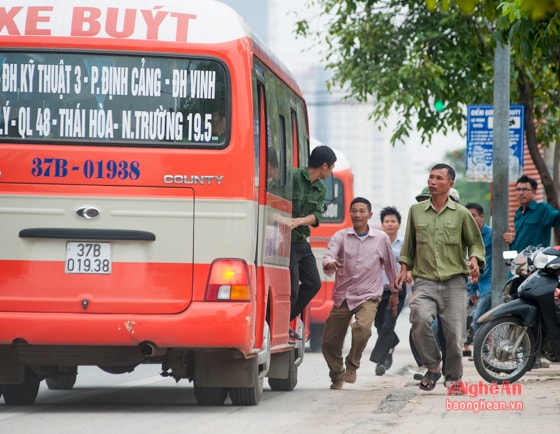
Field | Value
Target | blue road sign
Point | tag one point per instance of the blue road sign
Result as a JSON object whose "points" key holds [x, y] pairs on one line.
{"points": [[480, 142]]}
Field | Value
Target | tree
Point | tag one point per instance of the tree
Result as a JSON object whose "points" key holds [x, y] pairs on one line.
{"points": [[403, 57], [534, 9]]}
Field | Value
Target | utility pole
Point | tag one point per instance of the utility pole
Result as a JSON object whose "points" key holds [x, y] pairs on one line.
{"points": [[500, 169]]}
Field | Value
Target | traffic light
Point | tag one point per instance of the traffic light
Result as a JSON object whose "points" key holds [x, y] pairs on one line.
{"points": [[439, 105]]}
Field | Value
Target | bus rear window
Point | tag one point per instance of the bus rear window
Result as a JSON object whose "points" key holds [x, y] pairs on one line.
{"points": [[112, 99]]}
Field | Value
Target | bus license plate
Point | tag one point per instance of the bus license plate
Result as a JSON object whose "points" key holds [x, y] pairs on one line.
{"points": [[88, 258]]}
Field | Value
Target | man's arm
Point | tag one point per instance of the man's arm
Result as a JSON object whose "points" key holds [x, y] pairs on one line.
{"points": [[550, 215], [332, 258], [308, 220], [475, 246]]}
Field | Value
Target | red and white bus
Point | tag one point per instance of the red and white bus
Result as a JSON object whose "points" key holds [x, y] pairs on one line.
{"points": [[138, 221], [340, 192]]}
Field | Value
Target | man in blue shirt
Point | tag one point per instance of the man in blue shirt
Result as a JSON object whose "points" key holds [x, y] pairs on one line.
{"points": [[481, 292], [533, 220]]}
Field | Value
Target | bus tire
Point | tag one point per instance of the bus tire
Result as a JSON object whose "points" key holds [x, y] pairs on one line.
{"points": [[248, 395], [24, 393], [61, 382], [212, 396]]}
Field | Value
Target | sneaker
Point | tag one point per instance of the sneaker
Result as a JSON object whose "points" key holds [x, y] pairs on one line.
{"points": [[380, 369], [539, 363], [337, 384], [418, 376], [349, 376]]}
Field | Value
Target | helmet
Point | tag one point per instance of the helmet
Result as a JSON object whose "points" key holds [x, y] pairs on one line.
{"points": [[454, 195], [423, 195]]}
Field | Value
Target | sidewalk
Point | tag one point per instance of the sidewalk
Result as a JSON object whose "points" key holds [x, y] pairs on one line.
{"points": [[532, 403], [529, 405]]}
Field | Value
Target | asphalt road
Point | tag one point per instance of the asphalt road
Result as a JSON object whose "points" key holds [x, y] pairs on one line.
{"points": [[142, 402]]}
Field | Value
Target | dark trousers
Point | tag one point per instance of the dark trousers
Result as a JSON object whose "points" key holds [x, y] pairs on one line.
{"points": [[385, 324], [305, 277]]}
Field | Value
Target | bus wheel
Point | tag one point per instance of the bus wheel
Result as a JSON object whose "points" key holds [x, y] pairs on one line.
{"points": [[62, 381], [24, 393], [210, 395], [289, 383], [248, 395], [316, 339]]}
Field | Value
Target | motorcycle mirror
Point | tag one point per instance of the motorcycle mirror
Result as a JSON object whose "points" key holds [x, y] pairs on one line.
{"points": [[509, 254]]}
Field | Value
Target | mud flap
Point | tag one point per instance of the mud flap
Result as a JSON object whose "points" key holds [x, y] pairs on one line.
{"points": [[11, 371], [222, 369]]}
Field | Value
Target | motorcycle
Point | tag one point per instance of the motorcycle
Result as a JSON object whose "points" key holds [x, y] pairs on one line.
{"points": [[520, 268], [514, 334]]}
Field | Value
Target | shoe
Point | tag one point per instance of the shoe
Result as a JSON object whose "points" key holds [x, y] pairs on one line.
{"points": [[349, 376], [336, 385], [294, 335], [388, 361], [539, 363], [380, 369], [420, 374]]}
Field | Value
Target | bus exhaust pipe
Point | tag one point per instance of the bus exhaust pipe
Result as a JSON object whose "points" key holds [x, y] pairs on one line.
{"points": [[149, 349]]}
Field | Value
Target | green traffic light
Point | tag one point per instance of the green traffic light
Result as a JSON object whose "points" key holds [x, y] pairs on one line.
{"points": [[439, 105]]}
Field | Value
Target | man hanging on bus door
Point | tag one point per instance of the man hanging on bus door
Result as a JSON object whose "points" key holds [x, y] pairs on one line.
{"points": [[307, 207]]}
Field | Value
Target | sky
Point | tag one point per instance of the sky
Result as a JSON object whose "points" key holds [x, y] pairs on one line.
{"points": [[296, 52]]}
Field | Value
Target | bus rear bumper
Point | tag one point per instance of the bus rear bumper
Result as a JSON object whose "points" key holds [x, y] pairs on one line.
{"points": [[203, 325]]}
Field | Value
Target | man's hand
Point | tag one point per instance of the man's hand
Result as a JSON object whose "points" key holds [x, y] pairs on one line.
{"points": [[403, 276], [335, 265], [393, 303], [474, 272], [509, 237]]}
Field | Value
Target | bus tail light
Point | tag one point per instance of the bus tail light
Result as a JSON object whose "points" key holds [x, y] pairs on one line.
{"points": [[228, 281]]}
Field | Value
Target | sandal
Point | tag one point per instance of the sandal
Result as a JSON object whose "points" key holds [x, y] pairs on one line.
{"points": [[429, 380]]}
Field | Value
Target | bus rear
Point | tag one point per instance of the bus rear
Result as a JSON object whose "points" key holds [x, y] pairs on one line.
{"points": [[133, 198]]}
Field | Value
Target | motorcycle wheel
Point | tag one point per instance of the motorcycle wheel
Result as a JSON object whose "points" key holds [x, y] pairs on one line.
{"points": [[495, 357]]}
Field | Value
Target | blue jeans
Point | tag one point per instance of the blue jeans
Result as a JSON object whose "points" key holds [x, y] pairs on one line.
{"points": [[482, 306]]}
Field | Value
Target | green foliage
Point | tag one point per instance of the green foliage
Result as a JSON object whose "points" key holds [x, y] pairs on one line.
{"points": [[516, 9], [402, 58]]}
